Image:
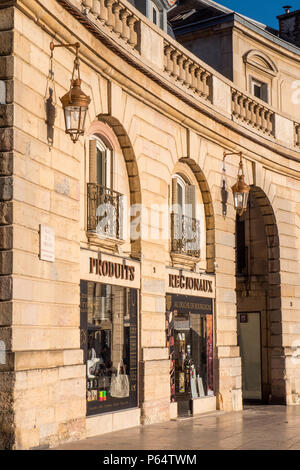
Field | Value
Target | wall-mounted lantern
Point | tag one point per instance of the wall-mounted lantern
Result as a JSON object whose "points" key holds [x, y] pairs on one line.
{"points": [[75, 102], [240, 189]]}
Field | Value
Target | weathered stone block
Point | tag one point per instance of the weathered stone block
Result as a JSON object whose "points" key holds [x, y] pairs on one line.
{"points": [[6, 67], [6, 238], [5, 313], [6, 213], [156, 411], [6, 115], [5, 288], [6, 262], [6, 19], [6, 188], [6, 139], [9, 91], [6, 43], [6, 163], [2, 92]]}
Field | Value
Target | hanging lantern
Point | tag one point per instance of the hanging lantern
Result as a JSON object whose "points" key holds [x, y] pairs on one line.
{"points": [[75, 103], [240, 191]]}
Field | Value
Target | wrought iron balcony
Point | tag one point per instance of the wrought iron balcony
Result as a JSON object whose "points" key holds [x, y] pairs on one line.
{"points": [[105, 211], [185, 235]]}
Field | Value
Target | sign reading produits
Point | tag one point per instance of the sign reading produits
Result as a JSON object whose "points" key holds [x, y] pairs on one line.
{"points": [[111, 269], [47, 243]]}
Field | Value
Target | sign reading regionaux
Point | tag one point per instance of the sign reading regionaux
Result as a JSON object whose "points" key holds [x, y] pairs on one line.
{"points": [[190, 283], [47, 243]]}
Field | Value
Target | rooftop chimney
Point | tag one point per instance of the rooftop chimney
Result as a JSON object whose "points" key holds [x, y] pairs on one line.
{"points": [[289, 25], [287, 8]]}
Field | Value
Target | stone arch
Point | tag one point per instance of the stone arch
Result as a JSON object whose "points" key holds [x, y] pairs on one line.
{"points": [[261, 60], [131, 165], [208, 209], [274, 294], [273, 380]]}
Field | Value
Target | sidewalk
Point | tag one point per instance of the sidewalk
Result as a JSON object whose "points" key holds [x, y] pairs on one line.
{"points": [[257, 427]]}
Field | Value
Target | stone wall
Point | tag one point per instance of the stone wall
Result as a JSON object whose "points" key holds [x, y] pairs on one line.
{"points": [[155, 128], [7, 376], [49, 390]]}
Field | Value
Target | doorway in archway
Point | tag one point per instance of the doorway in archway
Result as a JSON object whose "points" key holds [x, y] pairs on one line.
{"points": [[258, 301]]}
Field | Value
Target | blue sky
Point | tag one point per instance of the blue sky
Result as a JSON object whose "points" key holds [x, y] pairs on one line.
{"points": [[264, 11]]}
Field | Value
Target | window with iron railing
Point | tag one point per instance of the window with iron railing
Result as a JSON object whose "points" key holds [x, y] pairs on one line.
{"points": [[105, 211], [185, 232], [185, 228], [104, 205]]}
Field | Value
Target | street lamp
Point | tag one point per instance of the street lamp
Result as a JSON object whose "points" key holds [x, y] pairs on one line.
{"points": [[75, 102], [240, 189]]}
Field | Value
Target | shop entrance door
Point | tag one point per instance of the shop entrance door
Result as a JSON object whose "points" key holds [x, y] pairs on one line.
{"points": [[249, 334], [189, 335], [182, 375]]}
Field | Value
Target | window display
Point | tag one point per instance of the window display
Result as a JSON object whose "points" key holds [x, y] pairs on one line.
{"points": [[189, 329], [109, 341]]}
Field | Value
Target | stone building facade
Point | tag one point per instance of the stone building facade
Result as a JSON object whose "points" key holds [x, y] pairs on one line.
{"points": [[159, 122]]}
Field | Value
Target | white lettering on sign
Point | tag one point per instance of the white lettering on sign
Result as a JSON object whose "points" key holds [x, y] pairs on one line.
{"points": [[47, 243]]}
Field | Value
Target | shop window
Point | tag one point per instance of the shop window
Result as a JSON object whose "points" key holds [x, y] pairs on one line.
{"points": [[109, 342], [189, 333], [259, 90]]}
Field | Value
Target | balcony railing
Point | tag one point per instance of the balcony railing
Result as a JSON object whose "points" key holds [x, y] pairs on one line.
{"points": [[252, 113], [122, 24], [185, 235], [105, 211], [186, 71]]}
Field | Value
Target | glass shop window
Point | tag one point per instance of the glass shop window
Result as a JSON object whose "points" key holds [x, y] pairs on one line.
{"points": [[190, 343], [109, 341]]}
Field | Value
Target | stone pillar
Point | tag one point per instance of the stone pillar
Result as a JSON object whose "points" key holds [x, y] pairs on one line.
{"points": [[227, 370], [7, 375], [154, 366], [42, 384]]}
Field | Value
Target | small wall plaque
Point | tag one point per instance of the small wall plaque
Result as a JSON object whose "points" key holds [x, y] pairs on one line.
{"points": [[47, 243]]}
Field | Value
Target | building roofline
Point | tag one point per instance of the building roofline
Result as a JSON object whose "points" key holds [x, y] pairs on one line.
{"points": [[245, 21]]}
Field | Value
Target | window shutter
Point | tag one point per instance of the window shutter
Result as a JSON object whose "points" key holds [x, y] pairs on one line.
{"points": [[174, 191], [190, 200], [93, 161]]}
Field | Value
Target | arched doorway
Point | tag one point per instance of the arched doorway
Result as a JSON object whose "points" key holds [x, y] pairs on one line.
{"points": [[259, 301]]}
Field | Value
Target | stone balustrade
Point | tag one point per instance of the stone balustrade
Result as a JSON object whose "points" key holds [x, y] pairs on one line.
{"points": [[252, 112], [122, 20], [297, 134], [183, 69], [115, 17]]}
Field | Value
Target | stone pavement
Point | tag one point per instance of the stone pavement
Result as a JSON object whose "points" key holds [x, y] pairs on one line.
{"points": [[257, 427]]}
